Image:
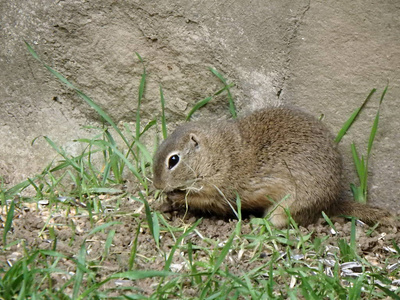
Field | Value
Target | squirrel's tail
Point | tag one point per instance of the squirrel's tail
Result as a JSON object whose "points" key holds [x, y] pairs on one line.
{"points": [[368, 214]]}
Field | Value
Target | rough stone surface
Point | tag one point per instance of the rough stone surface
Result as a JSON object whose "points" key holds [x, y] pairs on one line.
{"points": [[323, 57]]}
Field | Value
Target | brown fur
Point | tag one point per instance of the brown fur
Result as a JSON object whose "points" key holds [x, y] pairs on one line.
{"points": [[270, 155]]}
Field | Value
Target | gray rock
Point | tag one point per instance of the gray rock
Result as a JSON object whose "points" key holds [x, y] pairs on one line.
{"points": [[323, 57]]}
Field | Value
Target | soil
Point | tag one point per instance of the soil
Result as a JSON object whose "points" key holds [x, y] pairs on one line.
{"points": [[65, 229]]}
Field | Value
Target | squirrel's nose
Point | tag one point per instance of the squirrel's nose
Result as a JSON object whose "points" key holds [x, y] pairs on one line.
{"points": [[157, 182]]}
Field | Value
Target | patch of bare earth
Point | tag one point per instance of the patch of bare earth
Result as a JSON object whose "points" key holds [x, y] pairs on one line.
{"points": [[65, 228]]}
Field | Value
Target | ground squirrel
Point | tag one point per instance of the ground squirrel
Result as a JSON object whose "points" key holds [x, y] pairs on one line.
{"points": [[269, 155]]}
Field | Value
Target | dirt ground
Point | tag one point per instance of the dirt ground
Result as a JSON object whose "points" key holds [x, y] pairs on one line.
{"points": [[64, 229]]}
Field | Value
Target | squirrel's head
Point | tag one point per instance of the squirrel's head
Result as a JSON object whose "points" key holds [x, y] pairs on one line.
{"points": [[182, 160]]}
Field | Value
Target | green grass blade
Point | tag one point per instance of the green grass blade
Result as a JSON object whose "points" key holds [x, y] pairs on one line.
{"points": [[383, 94], [52, 253], [221, 257], [101, 190], [178, 242], [25, 281], [396, 247], [232, 107], [60, 77], [103, 226], [308, 291], [140, 96], [197, 106], [156, 229], [87, 99], [32, 52], [328, 220], [373, 133], [249, 286], [388, 292], [138, 274], [227, 87], [362, 172], [52, 71], [148, 126], [131, 275], [132, 257], [108, 243], [353, 237], [131, 167], [352, 118], [149, 217], [17, 188], [376, 122], [69, 161], [145, 152], [355, 291], [8, 223], [357, 161], [220, 77], [81, 259], [163, 121], [114, 163], [357, 192], [142, 149], [140, 146], [37, 189], [102, 113]]}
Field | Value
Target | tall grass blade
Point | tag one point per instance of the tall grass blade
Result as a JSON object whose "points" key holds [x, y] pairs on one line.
{"points": [[102, 113], [149, 217], [139, 274], [373, 133], [376, 122], [140, 96], [359, 192], [232, 107], [355, 291], [353, 237], [388, 292], [308, 291], [87, 99], [352, 118], [108, 243], [131, 167], [68, 161], [25, 281], [11, 192], [178, 242], [103, 226], [132, 257], [357, 161], [163, 121], [32, 52], [80, 270], [328, 220], [197, 106], [396, 247], [148, 126], [131, 275], [221, 257], [156, 229], [8, 223]]}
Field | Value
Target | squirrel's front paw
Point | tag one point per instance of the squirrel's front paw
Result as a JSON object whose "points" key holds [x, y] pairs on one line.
{"points": [[173, 202], [176, 196]]}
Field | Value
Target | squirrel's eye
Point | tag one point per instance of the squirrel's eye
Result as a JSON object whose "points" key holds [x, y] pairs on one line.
{"points": [[172, 161]]}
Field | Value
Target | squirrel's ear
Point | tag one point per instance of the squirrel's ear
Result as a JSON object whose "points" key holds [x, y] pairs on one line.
{"points": [[194, 140]]}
